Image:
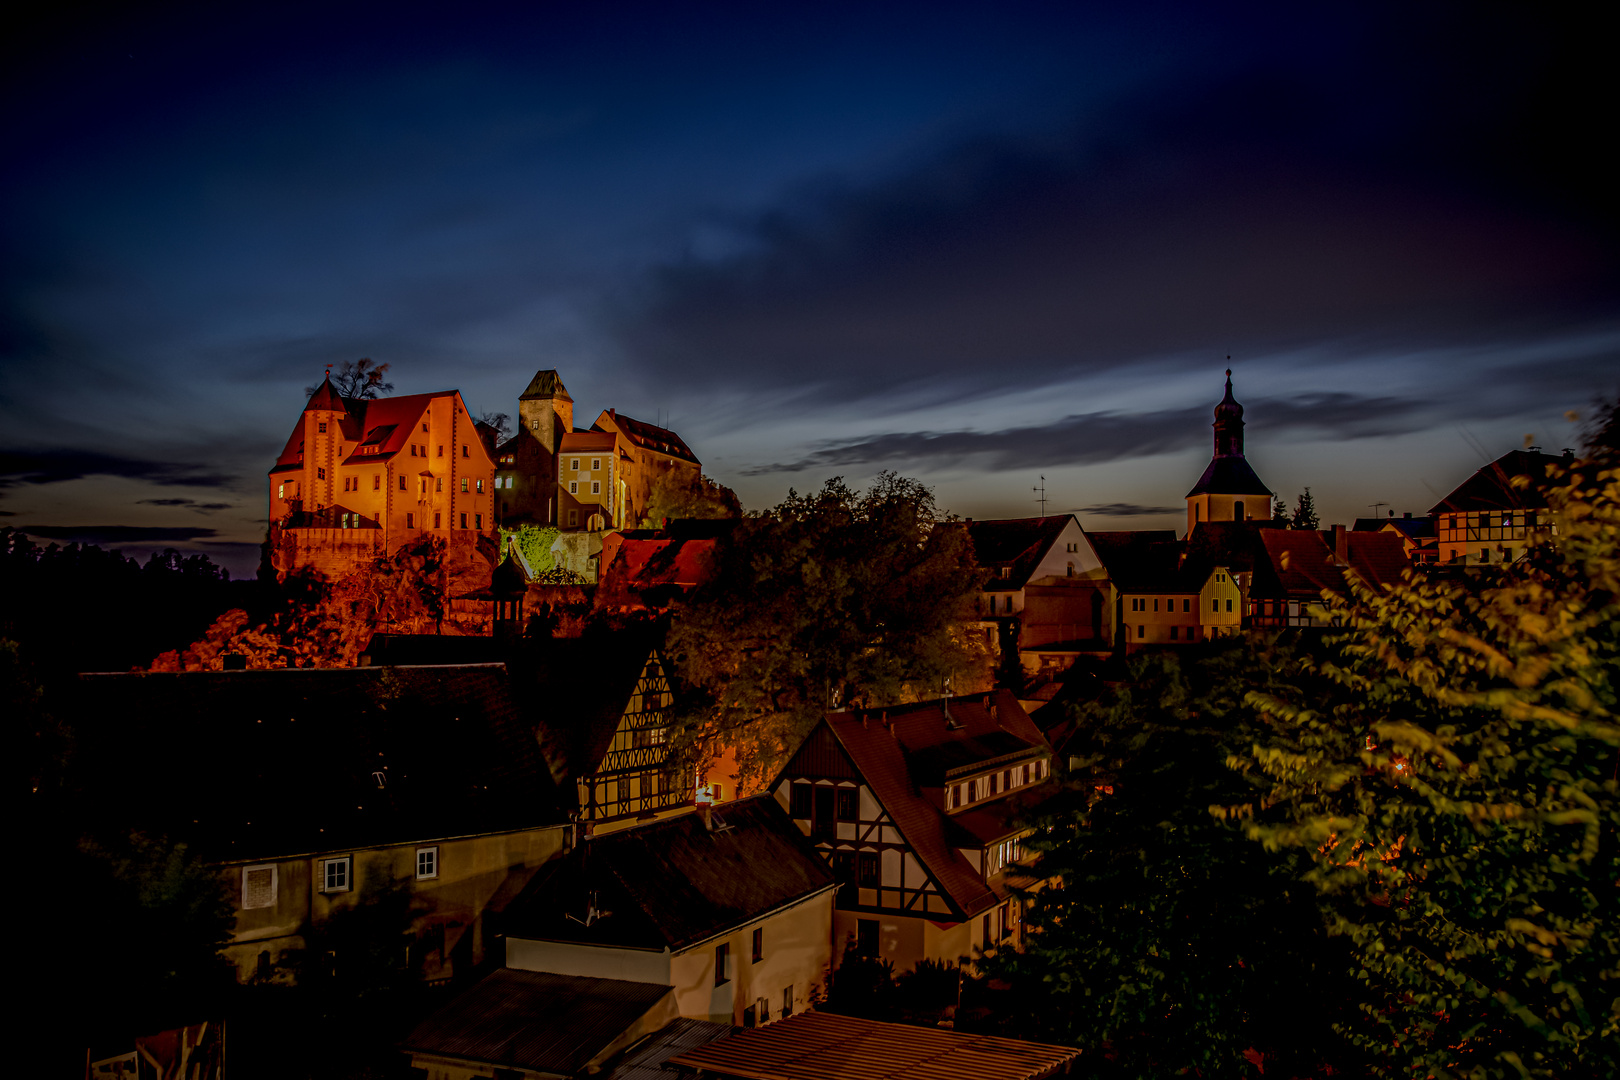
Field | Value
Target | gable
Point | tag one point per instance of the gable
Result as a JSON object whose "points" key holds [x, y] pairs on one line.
{"points": [[821, 757]]}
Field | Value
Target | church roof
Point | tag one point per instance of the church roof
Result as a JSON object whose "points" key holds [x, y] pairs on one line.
{"points": [[1229, 476], [545, 384]]}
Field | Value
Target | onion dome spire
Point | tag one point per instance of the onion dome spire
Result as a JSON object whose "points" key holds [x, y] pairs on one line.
{"points": [[1228, 424]]}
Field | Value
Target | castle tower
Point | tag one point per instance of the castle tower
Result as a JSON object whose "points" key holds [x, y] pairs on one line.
{"points": [[1229, 490], [545, 410], [323, 444]]}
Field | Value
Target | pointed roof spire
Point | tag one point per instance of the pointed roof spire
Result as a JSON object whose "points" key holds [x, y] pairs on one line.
{"points": [[326, 396]]}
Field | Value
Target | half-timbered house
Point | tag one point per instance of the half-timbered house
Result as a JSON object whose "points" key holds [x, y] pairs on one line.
{"points": [[919, 810], [604, 705]]}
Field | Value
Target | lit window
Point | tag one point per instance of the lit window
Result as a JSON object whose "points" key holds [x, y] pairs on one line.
{"points": [[573, 487], [464, 485], [478, 522], [478, 485], [427, 863], [335, 875], [596, 487], [573, 463], [281, 491], [596, 464], [258, 886], [376, 482], [438, 483]]}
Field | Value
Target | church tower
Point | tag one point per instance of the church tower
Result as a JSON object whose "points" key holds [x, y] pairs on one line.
{"points": [[1229, 490]]}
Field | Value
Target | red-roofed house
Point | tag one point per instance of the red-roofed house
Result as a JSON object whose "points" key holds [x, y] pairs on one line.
{"points": [[1490, 519], [359, 479], [918, 810], [1301, 564]]}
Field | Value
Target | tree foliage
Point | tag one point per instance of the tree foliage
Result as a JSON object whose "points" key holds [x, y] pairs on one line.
{"points": [[362, 379], [1305, 512], [1455, 790], [687, 495], [498, 422], [1164, 938], [328, 624], [827, 596]]}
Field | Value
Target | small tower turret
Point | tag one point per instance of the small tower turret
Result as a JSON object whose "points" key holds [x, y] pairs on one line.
{"points": [[1229, 490]]}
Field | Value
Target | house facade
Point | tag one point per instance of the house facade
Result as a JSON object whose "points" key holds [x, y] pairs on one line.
{"points": [[730, 906], [359, 479], [918, 812], [321, 792], [1492, 517]]}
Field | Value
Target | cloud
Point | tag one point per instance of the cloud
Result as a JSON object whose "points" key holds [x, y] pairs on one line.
{"points": [[57, 466], [1190, 224], [115, 534], [1110, 436], [193, 504], [1119, 509]]}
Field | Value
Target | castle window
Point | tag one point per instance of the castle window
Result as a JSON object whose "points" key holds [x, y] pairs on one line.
{"points": [[320, 474], [413, 449], [463, 521], [1155, 603], [464, 450], [441, 449], [410, 521], [573, 487], [438, 483], [321, 427], [402, 483], [1229, 607], [464, 485], [573, 463], [596, 463], [376, 482], [478, 522], [759, 944], [424, 427], [534, 425], [281, 491], [596, 487], [438, 519], [479, 486]]}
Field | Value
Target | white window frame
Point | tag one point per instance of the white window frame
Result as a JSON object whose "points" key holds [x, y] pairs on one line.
{"points": [[347, 862], [433, 855], [573, 487], [596, 487], [573, 463], [596, 464], [273, 883]]}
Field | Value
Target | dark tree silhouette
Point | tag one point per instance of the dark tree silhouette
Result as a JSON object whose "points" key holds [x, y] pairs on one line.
{"points": [[360, 379]]}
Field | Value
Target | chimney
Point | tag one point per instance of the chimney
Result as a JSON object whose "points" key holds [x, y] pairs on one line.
{"points": [[707, 810], [1341, 545], [1407, 514]]}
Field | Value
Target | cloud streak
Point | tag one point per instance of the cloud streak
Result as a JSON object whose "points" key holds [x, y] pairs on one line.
{"points": [[19, 467], [116, 534], [1089, 438]]}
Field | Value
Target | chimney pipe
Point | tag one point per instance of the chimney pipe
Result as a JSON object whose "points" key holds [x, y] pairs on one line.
{"points": [[1341, 545], [707, 810]]}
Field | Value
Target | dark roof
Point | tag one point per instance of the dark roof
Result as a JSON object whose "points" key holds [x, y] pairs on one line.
{"points": [[1150, 560], [581, 688], [545, 384], [652, 437], [817, 1045], [645, 1061], [1011, 548], [1414, 528], [262, 764], [1229, 475], [1491, 487], [1301, 563], [675, 882], [536, 1020], [1233, 544], [904, 754], [417, 650]]}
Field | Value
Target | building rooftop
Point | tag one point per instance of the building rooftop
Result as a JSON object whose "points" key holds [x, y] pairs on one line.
{"points": [[545, 384], [826, 1046], [1491, 487], [675, 882], [1229, 476], [652, 437], [1012, 548], [261, 764], [1301, 563], [554, 1024]]}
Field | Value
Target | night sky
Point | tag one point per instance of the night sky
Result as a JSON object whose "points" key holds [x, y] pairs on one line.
{"points": [[975, 244]]}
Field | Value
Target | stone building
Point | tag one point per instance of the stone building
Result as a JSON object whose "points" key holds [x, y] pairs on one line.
{"points": [[359, 479]]}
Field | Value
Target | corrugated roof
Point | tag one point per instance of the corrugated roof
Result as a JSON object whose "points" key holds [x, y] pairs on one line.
{"points": [[902, 762], [260, 764], [646, 1060], [826, 1046], [1491, 487], [536, 1020], [675, 882], [1012, 548]]}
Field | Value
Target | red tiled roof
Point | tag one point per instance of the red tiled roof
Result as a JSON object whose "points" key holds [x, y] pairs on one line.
{"points": [[826, 1046], [579, 441], [890, 759], [383, 423], [1301, 563], [1491, 488]]}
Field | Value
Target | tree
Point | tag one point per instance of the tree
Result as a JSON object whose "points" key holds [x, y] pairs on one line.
{"points": [[1279, 512], [825, 597], [361, 379], [1164, 936], [1305, 512], [499, 422], [1600, 435], [688, 495], [1454, 787]]}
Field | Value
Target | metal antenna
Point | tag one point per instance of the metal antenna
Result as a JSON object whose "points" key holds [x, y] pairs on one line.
{"points": [[1041, 492], [1375, 507]]}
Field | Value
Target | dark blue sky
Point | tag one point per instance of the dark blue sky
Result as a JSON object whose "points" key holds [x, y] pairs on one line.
{"points": [[973, 243]]}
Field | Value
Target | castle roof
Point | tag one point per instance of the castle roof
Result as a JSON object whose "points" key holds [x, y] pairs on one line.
{"points": [[650, 436], [545, 384], [325, 397], [378, 427]]}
